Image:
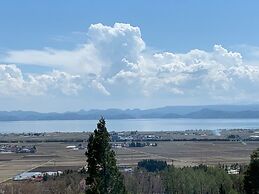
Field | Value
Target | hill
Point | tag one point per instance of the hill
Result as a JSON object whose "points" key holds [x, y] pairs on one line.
{"points": [[194, 112]]}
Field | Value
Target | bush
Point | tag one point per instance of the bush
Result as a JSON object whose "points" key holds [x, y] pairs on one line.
{"points": [[152, 165]]}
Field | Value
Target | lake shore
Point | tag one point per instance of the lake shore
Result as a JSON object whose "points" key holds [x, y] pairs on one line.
{"points": [[186, 135]]}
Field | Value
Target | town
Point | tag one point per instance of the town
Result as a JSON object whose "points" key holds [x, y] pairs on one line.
{"points": [[10, 148]]}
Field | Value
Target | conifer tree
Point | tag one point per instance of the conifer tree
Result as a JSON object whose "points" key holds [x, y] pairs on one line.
{"points": [[103, 176], [251, 179]]}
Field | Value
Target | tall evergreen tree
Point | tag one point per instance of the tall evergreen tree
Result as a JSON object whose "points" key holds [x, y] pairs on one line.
{"points": [[103, 174], [251, 180]]}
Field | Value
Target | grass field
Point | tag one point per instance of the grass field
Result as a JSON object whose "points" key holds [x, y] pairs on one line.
{"points": [[194, 153], [48, 154], [53, 156]]}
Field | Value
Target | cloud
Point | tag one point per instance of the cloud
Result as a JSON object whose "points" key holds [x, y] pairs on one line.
{"points": [[101, 54], [13, 82], [211, 74], [80, 60], [115, 60], [97, 85]]}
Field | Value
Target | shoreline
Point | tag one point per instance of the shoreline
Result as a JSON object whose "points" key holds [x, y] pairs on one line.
{"points": [[126, 136]]}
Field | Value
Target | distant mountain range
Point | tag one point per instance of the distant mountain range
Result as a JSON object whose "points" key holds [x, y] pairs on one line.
{"points": [[193, 112]]}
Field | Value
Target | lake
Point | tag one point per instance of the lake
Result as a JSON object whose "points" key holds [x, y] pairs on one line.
{"points": [[127, 125]]}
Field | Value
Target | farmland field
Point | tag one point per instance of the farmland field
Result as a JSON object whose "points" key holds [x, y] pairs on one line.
{"points": [[55, 155]]}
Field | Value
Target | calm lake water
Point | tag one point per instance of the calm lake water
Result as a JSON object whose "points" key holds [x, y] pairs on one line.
{"points": [[127, 124]]}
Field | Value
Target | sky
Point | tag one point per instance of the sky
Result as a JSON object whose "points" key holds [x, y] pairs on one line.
{"points": [[72, 55]]}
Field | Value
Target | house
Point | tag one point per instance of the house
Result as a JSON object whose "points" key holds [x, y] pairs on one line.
{"points": [[128, 170], [234, 138], [27, 176], [35, 176], [233, 171]]}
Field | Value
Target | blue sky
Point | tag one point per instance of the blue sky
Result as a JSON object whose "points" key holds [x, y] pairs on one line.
{"points": [[61, 55], [171, 25]]}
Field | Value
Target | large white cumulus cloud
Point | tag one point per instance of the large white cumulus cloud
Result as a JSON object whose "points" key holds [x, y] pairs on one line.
{"points": [[117, 58], [13, 82], [187, 72], [102, 53]]}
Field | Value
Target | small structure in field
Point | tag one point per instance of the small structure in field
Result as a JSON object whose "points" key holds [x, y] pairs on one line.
{"points": [[35, 176]]}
